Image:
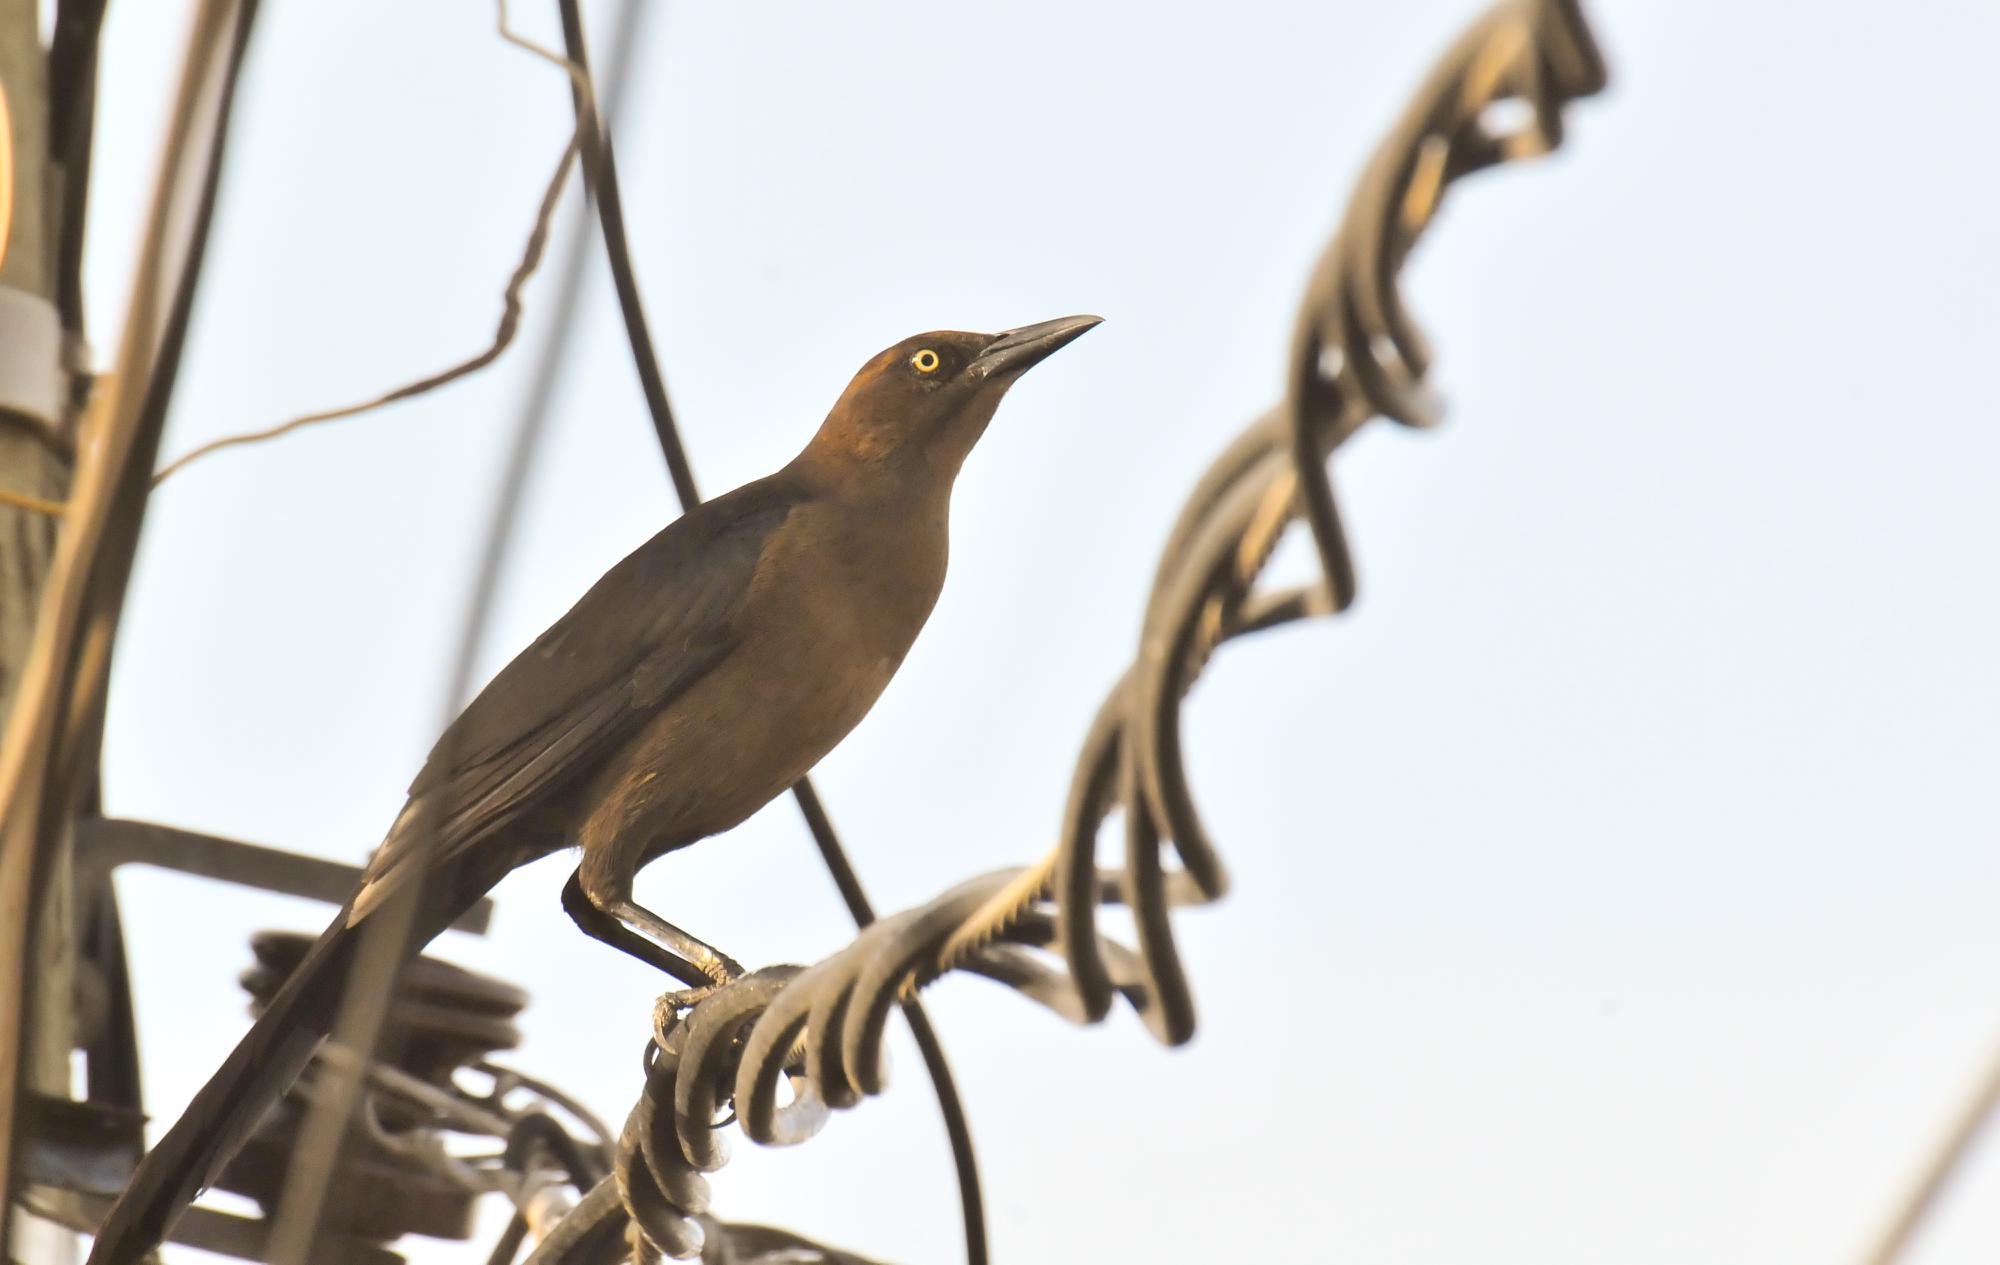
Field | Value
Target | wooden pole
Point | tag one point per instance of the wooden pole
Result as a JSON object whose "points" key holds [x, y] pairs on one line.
{"points": [[46, 755], [31, 461], [34, 463]]}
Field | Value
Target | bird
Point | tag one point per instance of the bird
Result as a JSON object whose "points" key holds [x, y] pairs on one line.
{"points": [[698, 679]]}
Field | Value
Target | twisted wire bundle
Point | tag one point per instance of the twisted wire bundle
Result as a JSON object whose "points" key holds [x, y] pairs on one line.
{"points": [[784, 1046]]}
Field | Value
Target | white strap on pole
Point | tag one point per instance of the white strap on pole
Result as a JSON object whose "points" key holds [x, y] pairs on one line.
{"points": [[31, 356]]}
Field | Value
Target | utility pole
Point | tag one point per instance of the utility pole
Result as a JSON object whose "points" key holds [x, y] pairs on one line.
{"points": [[35, 463], [33, 457], [80, 538]]}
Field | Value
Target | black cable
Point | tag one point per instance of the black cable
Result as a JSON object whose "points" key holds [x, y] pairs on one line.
{"points": [[601, 178], [972, 1203]]}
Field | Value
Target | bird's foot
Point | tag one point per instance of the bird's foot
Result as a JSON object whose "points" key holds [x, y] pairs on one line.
{"points": [[669, 1009], [685, 999]]}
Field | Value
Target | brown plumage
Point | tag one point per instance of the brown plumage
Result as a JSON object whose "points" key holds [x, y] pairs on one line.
{"points": [[697, 680]]}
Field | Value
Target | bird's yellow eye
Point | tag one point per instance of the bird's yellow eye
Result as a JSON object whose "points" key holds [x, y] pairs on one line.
{"points": [[926, 361]]}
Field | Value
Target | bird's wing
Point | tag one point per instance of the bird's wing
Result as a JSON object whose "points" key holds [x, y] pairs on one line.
{"points": [[653, 625]]}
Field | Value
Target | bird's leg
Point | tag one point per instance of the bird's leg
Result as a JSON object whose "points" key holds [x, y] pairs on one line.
{"points": [[603, 926], [718, 967], [613, 917]]}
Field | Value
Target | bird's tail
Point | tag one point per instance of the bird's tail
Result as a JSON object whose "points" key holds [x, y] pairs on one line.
{"points": [[233, 1102]]}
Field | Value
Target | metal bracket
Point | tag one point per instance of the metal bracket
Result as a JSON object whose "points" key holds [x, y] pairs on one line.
{"points": [[88, 1148], [226, 1234], [105, 843]]}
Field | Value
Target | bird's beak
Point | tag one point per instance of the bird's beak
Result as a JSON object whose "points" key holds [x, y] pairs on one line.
{"points": [[1013, 352]]}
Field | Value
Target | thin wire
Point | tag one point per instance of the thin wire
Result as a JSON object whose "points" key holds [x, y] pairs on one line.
{"points": [[506, 1079], [601, 176], [386, 933], [33, 504], [510, 298], [503, 336]]}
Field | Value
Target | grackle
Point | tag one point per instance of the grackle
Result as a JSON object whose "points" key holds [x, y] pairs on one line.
{"points": [[698, 679]]}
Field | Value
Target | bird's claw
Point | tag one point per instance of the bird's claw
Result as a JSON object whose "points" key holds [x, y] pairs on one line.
{"points": [[670, 1009]]}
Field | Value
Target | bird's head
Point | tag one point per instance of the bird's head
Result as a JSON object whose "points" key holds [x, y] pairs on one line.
{"points": [[919, 407]]}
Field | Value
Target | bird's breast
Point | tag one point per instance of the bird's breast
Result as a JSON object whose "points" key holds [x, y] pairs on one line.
{"points": [[867, 573], [836, 603]]}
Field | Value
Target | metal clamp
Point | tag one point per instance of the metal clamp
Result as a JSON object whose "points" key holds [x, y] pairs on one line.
{"points": [[31, 359]]}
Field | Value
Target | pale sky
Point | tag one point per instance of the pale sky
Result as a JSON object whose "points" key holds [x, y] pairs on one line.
{"points": [[1615, 883]]}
